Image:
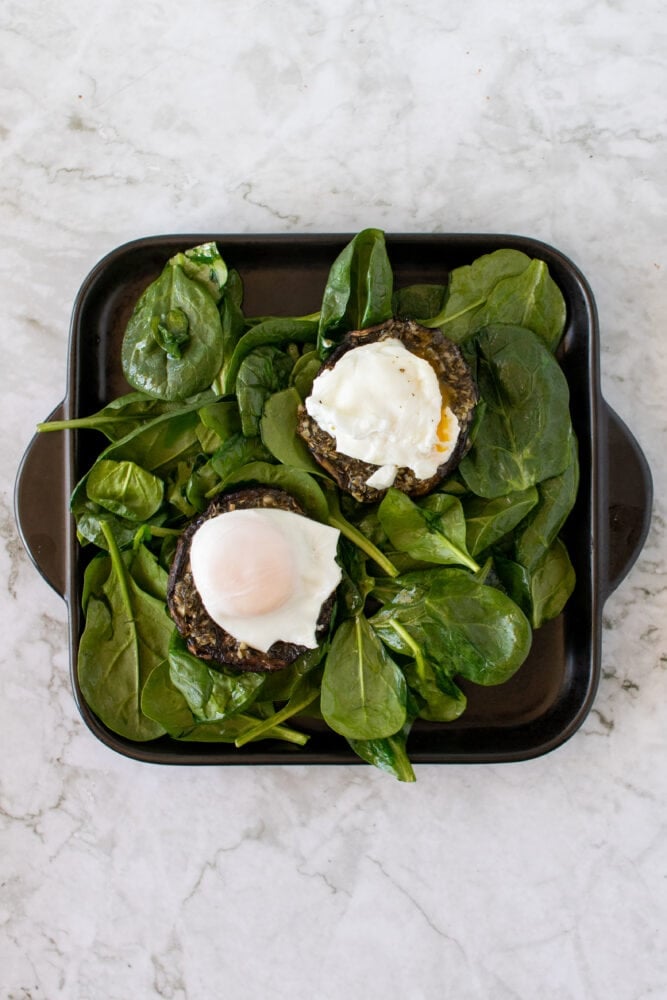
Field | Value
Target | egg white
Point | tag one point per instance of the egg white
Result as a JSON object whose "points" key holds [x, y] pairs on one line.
{"points": [[263, 574], [382, 404]]}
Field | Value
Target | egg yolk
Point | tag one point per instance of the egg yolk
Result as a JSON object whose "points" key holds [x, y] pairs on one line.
{"points": [[253, 572], [447, 430]]}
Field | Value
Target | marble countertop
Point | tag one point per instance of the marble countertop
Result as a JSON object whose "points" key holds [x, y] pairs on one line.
{"points": [[544, 879]]}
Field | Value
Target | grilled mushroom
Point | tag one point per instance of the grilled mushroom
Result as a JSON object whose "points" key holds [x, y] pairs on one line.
{"points": [[204, 637], [457, 388]]}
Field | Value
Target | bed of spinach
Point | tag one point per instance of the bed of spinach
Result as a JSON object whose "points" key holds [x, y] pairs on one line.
{"points": [[444, 587]]}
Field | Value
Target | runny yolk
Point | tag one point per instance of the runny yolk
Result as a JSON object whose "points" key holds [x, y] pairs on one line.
{"points": [[443, 431]]}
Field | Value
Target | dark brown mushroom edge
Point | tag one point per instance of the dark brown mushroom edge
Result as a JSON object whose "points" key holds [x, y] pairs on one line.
{"points": [[204, 637], [458, 390]]}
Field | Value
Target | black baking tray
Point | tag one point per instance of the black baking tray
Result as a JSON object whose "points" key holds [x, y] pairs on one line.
{"points": [[547, 700]]}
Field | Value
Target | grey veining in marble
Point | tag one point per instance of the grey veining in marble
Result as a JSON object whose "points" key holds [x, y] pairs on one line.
{"points": [[544, 879]]}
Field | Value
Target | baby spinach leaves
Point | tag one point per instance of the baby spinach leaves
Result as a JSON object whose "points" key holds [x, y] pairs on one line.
{"points": [[418, 302], [472, 629], [524, 434], [488, 521], [164, 703], [204, 265], [388, 753], [269, 332], [278, 430], [117, 418], [172, 346], [543, 590], [439, 697], [433, 531], [126, 636], [505, 286], [261, 373], [211, 695], [125, 489], [358, 291], [363, 691], [556, 497]]}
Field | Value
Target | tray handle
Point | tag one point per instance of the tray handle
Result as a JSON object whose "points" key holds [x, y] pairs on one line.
{"points": [[41, 504], [630, 499]]}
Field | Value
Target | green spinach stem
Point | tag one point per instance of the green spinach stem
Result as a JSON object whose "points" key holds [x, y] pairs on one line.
{"points": [[462, 556], [79, 423], [405, 636], [121, 574], [354, 535], [267, 726], [443, 318], [118, 566]]}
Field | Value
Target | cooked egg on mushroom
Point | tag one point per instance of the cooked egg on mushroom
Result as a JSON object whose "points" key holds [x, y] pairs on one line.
{"points": [[383, 405], [263, 574], [392, 406]]}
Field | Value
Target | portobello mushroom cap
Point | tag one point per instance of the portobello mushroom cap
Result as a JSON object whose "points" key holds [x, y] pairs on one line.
{"points": [[458, 390], [203, 636]]}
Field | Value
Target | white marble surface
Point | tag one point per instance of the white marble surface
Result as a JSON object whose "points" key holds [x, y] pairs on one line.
{"points": [[545, 879]]}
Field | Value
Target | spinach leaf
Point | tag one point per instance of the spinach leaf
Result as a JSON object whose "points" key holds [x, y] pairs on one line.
{"points": [[297, 483], [160, 444], [487, 521], [91, 518], [356, 583], [236, 452], [556, 499], [229, 730], [305, 692], [126, 636], [463, 625], [157, 446], [278, 429], [363, 690], [211, 694], [337, 519], [125, 489], [221, 417], [202, 481], [208, 439], [94, 578], [419, 302], [358, 292], [389, 753], [280, 685], [269, 332], [170, 332], [543, 590], [204, 265], [176, 483], [304, 372], [505, 286], [232, 325], [162, 701], [441, 699], [120, 417], [524, 434], [434, 532], [262, 372], [174, 310]]}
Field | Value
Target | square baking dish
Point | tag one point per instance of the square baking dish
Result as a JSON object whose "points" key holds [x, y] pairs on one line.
{"points": [[543, 705]]}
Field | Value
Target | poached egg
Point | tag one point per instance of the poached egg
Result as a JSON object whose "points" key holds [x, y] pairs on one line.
{"points": [[264, 573], [382, 404]]}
